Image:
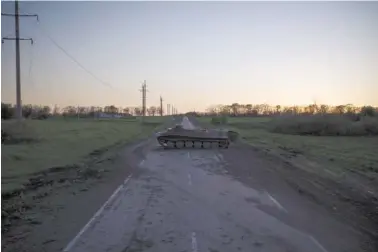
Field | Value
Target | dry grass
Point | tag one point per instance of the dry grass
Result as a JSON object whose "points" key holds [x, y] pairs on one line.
{"points": [[36, 145]]}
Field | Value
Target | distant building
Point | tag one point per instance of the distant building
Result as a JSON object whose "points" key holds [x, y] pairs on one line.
{"points": [[107, 115]]}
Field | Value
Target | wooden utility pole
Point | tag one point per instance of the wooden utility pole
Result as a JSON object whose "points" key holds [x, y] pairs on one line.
{"points": [[17, 16]]}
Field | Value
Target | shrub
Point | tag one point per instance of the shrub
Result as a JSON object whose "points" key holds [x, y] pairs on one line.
{"points": [[368, 111], [7, 111], [325, 125], [219, 120]]}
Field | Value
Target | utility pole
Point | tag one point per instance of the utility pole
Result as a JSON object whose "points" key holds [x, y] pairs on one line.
{"points": [[144, 91], [17, 16], [161, 106], [168, 109]]}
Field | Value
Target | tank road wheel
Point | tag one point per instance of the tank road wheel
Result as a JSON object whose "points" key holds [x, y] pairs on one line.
{"points": [[226, 145], [207, 145], [180, 144], [170, 144], [197, 144]]}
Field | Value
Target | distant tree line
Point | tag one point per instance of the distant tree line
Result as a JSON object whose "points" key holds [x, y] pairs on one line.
{"points": [[43, 112], [237, 109]]}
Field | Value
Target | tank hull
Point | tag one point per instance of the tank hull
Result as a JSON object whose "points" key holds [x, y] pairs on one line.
{"points": [[181, 138]]}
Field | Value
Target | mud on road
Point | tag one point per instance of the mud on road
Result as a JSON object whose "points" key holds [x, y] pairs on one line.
{"points": [[190, 200]]}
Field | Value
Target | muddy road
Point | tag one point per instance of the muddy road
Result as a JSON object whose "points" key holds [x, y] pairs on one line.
{"points": [[194, 200]]}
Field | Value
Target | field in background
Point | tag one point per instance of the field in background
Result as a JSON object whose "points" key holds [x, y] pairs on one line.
{"points": [[40, 145], [331, 156]]}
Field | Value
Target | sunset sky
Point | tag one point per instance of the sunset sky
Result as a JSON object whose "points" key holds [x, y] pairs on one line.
{"points": [[194, 54]]}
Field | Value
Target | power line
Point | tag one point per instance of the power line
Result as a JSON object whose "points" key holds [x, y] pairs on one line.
{"points": [[44, 31], [31, 66]]}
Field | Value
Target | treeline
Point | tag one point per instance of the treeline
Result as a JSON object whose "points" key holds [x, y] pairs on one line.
{"points": [[8, 111], [237, 109], [125, 111], [43, 112]]}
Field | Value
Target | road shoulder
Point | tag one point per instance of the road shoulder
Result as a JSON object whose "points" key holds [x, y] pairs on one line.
{"points": [[47, 218]]}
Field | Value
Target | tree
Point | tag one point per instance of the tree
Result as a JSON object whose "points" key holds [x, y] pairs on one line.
{"points": [[340, 109], [126, 111], [7, 111], [138, 111], [69, 111], [265, 109], [350, 109], [248, 109], [235, 109], [312, 109], [278, 109], [324, 109], [367, 111], [152, 110], [226, 110], [27, 110]]}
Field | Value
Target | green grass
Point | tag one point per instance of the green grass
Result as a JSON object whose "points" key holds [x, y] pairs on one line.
{"points": [[324, 154], [60, 142]]}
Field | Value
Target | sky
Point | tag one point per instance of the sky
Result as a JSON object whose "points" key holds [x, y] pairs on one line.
{"points": [[194, 54]]}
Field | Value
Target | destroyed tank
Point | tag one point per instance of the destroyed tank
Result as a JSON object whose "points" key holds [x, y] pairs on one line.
{"points": [[178, 137]]}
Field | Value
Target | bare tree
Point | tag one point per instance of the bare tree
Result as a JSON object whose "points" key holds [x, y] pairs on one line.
{"points": [[138, 111], [152, 110]]}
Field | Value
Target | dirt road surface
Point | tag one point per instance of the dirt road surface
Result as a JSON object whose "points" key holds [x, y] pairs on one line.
{"points": [[152, 199], [187, 200]]}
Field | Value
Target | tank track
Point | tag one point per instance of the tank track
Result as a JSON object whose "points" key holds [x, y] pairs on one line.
{"points": [[193, 143]]}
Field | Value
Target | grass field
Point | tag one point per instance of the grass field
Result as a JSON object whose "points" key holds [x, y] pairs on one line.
{"points": [[38, 145], [329, 155]]}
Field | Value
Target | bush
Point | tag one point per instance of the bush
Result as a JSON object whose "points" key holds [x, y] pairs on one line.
{"points": [[325, 125], [368, 111], [219, 120], [7, 111]]}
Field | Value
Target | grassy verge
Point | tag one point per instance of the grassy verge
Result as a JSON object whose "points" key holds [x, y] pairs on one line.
{"points": [[40, 146], [327, 155]]}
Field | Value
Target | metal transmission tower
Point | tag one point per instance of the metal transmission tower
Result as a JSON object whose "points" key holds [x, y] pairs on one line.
{"points": [[17, 16], [161, 106], [144, 96], [168, 106]]}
